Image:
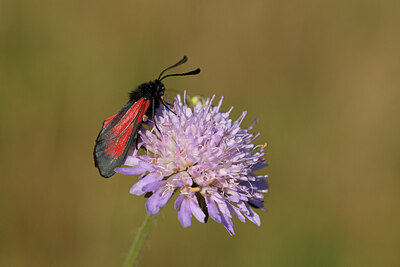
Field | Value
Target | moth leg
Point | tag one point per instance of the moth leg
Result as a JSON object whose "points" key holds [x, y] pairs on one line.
{"points": [[166, 105], [153, 114], [162, 99], [137, 141]]}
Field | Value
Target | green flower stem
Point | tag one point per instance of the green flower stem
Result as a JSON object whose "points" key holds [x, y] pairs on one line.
{"points": [[140, 239]]}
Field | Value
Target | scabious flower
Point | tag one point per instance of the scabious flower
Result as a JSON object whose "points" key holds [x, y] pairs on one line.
{"points": [[205, 158]]}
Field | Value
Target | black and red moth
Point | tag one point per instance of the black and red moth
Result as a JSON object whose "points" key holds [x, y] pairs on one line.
{"points": [[119, 130]]}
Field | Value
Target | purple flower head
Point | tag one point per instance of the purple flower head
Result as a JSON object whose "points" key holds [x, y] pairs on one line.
{"points": [[204, 157]]}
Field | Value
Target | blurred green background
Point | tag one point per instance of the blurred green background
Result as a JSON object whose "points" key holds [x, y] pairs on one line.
{"points": [[322, 77]]}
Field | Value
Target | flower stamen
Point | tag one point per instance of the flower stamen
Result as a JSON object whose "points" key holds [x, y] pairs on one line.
{"points": [[195, 189], [188, 164], [183, 187], [211, 182]]}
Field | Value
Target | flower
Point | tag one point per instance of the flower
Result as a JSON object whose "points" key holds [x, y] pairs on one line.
{"points": [[206, 158]]}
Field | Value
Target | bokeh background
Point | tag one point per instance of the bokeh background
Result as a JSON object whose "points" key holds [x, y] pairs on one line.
{"points": [[322, 78]]}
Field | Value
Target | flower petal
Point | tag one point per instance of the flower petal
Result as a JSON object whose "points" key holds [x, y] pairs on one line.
{"points": [[137, 189], [157, 200], [178, 201], [185, 214], [130, 170], [152, 187], [227, 222], [249, 213], [236, 212], [212, 209], [196, 210], [131, 160], [257, 203]]}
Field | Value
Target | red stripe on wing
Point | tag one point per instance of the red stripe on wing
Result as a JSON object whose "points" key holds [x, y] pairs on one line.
{"points": [[125, 127], [107, 121], [117, 148], [137, 111]]}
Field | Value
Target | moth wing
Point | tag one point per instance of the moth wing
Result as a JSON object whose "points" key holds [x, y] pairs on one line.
{"points": [[116, 136]]}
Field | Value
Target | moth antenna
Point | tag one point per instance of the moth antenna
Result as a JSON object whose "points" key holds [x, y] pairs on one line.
{"points": [[183, 60], [193, 72]]}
